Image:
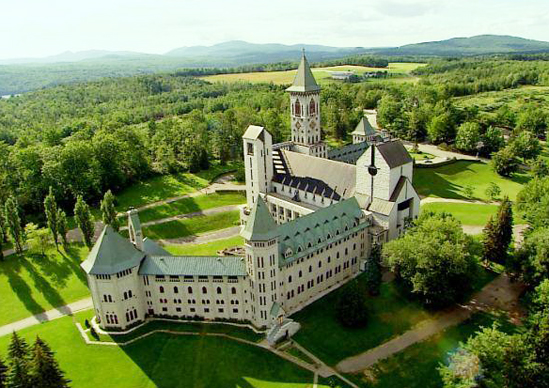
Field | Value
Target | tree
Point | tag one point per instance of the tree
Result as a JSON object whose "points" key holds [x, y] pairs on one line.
{"points": [[533, 202], [532, 119], [18, 348], [492, 140], [463, 370], [490, 245], [50, 207], [373, 270], [84, 220], [438, 129], [505, 161], [351, 305], [468, 136], [493, 191], [526, 145], [62, 226], [14, 223], [3, 226], [433, 259], [18, 375], [3, 374], [531, 262], [505, 224], [498, 234], [539, 168], [38, 239], [109, 212], [44, 369]]}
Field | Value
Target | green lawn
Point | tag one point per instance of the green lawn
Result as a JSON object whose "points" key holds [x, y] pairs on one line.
{"points": [[168, 186], [192, 226], [165, 361], [31, 284], [191, 205], [420, 155], [206, 249], [467, 213], [416, 366], [390, 314], [449, 181]]}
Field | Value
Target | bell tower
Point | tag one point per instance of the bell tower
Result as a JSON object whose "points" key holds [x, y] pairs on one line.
{"points": [[305, 112]]}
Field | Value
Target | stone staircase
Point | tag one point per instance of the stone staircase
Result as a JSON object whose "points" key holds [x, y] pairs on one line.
{"points": [[279, 331]]}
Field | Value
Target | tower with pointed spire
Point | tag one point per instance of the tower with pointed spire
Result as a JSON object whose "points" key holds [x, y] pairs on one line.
{"points": [[305, 112]]}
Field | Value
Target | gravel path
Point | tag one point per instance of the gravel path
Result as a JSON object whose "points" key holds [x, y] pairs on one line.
{"points": [[500, 294]]}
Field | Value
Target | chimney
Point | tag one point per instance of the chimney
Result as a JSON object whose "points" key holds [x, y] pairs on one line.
{"points": [[134, 228]]}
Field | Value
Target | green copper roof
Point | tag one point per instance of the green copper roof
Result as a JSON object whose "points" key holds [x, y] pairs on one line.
{"points": [[151, 247], [260, 226], [364, 128], [304, 80], [111, 253], [193, 266]]}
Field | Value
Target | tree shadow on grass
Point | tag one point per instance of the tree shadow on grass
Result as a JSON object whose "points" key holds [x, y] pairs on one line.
{"points": [[43, 285], [19, 285]]}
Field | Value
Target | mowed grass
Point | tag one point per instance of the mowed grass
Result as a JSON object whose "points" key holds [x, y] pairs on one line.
{"points": [[192, 226], [206, 249], [165, 361], [168, 186], [389, 314], [321, 73], [31, 284], [450, 181], [467, 213], [192, 205], [417, 366]]}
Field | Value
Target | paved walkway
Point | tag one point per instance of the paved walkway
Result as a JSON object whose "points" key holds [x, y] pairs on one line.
{"points": [[500, 294], [454, 200], [46, 316], [433, 149]]}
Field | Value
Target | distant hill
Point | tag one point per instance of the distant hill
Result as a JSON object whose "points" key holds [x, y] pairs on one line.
{"points": [[476, 45]]}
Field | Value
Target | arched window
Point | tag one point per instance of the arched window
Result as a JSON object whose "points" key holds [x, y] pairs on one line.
{"points": [[204, 290], [219, 290], [176, 290], [290, 279], [300, 273], [161, 289], [233, 290], [130, 293], [127, 317], [310, 268], [190, 290], [297, 108], [312, 107], [125, 295]]}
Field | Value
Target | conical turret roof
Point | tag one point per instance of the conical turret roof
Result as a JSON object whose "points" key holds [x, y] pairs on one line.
{"points": [[304, 80], [260, 226], [364, 128]]}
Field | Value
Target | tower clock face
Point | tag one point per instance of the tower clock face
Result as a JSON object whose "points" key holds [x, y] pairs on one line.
{"points": [[372, 170]]}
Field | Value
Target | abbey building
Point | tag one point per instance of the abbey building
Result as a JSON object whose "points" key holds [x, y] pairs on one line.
{"points": [[311, 217]]}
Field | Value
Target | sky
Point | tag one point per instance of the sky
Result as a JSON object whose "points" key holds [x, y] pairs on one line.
{"points": [[38, 28]]}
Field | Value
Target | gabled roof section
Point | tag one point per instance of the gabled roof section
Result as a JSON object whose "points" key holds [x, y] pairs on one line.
{"points": [[253, 132], [260, 225], [151, 247], [304, 80], [111, 254], [193, 266], [394, 153], [364, 128]]}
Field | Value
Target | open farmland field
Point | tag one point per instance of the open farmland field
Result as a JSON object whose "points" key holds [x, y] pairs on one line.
{"points": [[322, 74]]}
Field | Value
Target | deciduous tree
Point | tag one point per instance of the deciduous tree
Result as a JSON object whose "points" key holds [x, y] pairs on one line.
{"points": [[13, 220], [50, 207], [38, 239], [62, 226], [108, 211], [373, 270], [351, 305], [84, 221]]}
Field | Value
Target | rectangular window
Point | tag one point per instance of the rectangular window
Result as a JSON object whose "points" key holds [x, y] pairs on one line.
{"points": [[206, 310]]}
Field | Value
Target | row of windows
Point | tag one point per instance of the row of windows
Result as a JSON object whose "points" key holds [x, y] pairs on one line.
{"points": [[206, 310], [190, 290], [190, 279], [312, 108], [121, 274], [103, 277], [131, 315]]}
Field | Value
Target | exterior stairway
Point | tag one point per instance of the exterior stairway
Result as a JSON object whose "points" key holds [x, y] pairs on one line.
{"points": [[283, 330]]}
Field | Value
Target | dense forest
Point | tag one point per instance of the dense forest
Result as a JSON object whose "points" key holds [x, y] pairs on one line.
{"points": [[86, 138]]}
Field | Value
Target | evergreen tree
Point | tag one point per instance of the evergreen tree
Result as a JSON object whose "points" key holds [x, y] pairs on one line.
{"points": [[14, 223], [373, 270], [62, 226], [50, 208], [505, 224], [18, 348], [351, 306], [18, 375], [84, 220], [44, 368], [109, 212], [3, 374], [490, 251]]}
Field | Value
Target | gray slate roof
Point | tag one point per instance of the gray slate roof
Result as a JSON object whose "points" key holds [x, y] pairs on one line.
{"points": [[260, 225], [348, 153], [364, 128], [339, 176], [151, 247], [111, 254], [253, 132], [193, 266], [304, 80], [394, 153]]}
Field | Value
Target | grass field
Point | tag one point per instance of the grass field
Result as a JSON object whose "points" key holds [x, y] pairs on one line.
{"points": [[416, 366], [165, 361], [467, 213], [206, 249], [192, 226], [191, 205], [449, 181], [168, 186], [31, 284], [490, 101], [321, 74], [420, 155]]}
